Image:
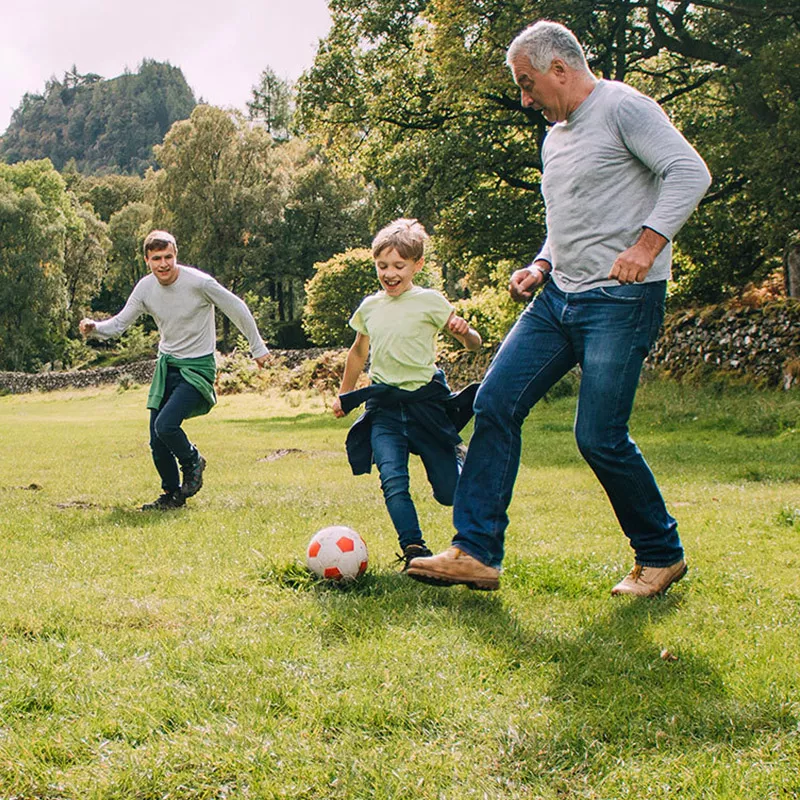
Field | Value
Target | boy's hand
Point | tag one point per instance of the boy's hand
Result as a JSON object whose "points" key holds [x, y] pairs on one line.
{"points": [[458, 325], [525, 280], [86, 326], [338, 411]]}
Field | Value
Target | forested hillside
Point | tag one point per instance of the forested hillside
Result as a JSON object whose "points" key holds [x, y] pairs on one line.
{"points": [[104, 125]]}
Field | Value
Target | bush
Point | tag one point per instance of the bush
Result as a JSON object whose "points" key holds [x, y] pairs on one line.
{"points": [[337, 289], [490, 310]]}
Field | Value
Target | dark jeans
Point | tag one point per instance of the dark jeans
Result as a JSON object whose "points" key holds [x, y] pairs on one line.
{"points": [[394, 435], [608, 331], [168, 443]]}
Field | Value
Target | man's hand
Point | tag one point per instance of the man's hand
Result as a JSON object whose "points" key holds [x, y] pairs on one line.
{"points": [[262, 360], [524, 281], [86, 326], [338, 411], [633, 264]]}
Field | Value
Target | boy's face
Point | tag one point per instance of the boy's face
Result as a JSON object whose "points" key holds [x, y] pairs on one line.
{"points": [[395, 273], [163, 264]]}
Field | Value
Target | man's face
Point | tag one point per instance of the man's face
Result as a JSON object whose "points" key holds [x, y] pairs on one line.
{"points": [[539, 90], [163, 264], [396, 273]]}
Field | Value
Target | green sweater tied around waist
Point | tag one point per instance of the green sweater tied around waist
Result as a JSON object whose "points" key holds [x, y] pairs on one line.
{"points": [[199, 372]]}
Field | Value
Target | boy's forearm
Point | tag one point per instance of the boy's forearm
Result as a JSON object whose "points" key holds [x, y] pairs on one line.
{"points": [[471, 340], [353, 367]]}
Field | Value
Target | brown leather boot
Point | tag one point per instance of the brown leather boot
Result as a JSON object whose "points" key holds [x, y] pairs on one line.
{"points": [[650, 581], [454, 567]]}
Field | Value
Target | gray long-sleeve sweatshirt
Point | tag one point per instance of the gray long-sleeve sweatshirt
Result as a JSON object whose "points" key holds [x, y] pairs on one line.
{"points": [[616, 165], [184, 313]]}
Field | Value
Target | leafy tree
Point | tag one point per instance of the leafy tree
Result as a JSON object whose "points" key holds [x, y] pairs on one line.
{"points": [[127, 229], [44, 236], [416, 96], [272, 103], [256, 214], [107, 194]]}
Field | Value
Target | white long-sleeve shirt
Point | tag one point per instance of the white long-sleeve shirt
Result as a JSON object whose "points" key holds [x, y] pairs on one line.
{"points": [[184, 313], [616, 165]]}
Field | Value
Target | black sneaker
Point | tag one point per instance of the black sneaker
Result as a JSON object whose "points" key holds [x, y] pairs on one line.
{"points": [[193, 477], [411, 551], [167, 502]]}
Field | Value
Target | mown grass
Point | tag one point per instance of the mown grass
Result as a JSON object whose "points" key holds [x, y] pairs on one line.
{"points": [[189, 655]]}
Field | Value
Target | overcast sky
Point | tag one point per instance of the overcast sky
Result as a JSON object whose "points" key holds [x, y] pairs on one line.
{"points": [[222, 47]]}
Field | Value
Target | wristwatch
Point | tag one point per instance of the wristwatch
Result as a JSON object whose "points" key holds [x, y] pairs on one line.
{"points": [[545, 273]]}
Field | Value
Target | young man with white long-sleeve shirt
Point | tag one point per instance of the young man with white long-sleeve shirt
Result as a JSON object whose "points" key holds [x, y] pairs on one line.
{"points": [[619, 181], [181, 300]]}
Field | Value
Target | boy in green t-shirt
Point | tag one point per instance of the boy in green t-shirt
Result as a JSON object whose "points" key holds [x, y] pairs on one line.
{"points": [[409, 405]]}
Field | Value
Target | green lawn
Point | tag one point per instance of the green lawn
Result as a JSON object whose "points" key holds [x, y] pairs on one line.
{"points": [[187, 655]]}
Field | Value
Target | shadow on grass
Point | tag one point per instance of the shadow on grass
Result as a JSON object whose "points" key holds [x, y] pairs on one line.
{"points": [[613, 688]]}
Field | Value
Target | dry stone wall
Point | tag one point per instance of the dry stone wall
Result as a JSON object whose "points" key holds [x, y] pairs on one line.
{"points": [[760, 343]]}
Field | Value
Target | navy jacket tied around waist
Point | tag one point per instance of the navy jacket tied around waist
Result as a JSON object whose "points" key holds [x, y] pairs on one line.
{"points": [[433, 406]]}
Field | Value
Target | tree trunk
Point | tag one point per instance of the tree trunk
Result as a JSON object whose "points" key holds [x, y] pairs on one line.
{"points": [[791, 262]]}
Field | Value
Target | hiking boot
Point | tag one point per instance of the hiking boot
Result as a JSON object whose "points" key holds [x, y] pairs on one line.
{"points": [[167, 502], [412, 551], [454, 567], [644, 581], [193, 477]]}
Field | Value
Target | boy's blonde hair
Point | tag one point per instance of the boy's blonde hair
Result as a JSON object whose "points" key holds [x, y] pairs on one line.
{"points": [[407, 236]]}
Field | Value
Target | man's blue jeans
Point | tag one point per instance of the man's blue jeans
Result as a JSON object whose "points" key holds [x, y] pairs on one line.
{"points": [[394, 435], [608, 331], [169, 444]]}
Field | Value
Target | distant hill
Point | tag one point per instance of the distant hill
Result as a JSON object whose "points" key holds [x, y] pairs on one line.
{"points": [[104, 125]]}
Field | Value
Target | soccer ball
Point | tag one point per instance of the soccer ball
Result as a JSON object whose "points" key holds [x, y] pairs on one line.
{"points": [[337, 553]]}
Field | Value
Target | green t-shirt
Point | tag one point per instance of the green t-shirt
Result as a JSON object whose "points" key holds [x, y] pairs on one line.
{"points": [[402, 335]]}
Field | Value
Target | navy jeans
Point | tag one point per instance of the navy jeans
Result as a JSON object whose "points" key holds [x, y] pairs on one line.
{"points": [[608, 331], [393, 437], [169, 444]]}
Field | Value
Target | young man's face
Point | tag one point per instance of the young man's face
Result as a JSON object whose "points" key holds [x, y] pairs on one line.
{"points": [[163, 264], [539, 90], [395, 273]]}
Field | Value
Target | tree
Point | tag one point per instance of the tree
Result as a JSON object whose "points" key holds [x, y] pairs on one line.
{"points": [[44, 236], [416, 96], [272, 103]]}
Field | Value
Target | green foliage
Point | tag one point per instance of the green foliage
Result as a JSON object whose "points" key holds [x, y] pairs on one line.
{"points": [[490, 310], [103, 125], [272, 104], [338, 287], [52, 254], [268, 211], [416, 96]]}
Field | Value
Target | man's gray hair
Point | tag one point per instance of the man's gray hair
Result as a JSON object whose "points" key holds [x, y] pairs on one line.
{"points": [[545, 40]]}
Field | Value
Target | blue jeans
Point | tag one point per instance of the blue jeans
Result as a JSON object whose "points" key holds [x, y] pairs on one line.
{"points": [[169, 444], [608, 331], [394, 435]]}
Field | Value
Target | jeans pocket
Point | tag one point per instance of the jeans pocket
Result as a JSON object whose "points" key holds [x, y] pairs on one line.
{"points": [[629, 293]]}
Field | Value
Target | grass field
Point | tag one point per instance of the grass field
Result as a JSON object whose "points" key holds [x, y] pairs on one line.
{"points": [[188, 655]]}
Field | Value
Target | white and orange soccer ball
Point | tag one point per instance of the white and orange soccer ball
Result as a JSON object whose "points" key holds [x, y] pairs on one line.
{"points": [[337, 553]]}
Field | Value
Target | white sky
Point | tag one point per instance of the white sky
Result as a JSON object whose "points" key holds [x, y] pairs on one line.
{"points": [[222, 47]]}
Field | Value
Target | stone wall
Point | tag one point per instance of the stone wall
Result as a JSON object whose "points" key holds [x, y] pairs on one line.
{"points": [[760, 343]]}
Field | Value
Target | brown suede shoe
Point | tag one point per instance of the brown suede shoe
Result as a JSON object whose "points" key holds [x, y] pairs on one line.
{"points": [[650, 581], [453, 567]]}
